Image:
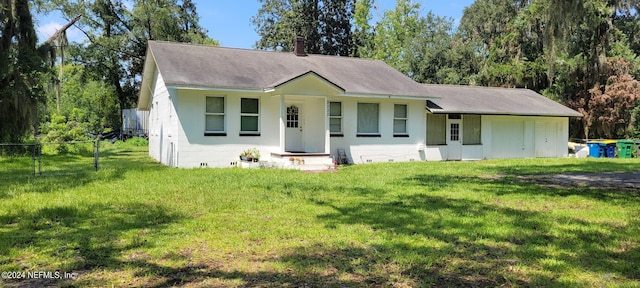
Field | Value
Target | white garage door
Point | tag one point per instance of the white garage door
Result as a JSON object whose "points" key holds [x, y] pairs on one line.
{"points": [[546, 139], [507, 139]]}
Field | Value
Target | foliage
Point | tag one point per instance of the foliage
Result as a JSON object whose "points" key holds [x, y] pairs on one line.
{"points": [[326, 25], [92, 102], [252, 153], [362, 29], [21, 70], [61, 129], [562, 49], [117, 37], [612, 103], [418, 224], [439, 56], [138, 142], [393, 33]]}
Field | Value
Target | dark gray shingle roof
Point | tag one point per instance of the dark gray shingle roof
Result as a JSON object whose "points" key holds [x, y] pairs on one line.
{"points": [[495, 101], [206, 66]]}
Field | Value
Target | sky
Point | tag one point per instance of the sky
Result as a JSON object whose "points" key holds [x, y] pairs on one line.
{"points": [[230, 21]]}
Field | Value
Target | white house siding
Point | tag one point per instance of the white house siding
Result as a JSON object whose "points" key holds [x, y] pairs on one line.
{"points": [[524, 136], [197, 150], [511, 137], [162, 128], [385, 148]]}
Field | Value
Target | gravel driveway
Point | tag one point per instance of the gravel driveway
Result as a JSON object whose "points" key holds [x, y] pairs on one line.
{"points": [[629, 180]]}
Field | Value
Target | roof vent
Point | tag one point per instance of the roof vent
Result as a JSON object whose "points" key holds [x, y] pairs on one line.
{"points": [[298, 46]]}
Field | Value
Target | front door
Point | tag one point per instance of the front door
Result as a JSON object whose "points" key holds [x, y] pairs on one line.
{"points": [[454, 139], [293, 133]]}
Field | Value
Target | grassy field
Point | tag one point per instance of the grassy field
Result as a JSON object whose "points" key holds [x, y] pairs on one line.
{"points": [[137, 223]]}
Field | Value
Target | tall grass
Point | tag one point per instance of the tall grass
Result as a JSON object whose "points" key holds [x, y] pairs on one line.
{"points": [[137, 223]]}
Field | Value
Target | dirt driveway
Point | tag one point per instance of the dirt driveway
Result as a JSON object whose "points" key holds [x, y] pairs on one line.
{"points": [[628, 180]]}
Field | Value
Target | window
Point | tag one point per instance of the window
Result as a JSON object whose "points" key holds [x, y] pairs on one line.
{"points": [[399, 119], [368, 119], [436, 129], [455, 132], [214, 116], [249, 116], [471, 126], [292, 117], [335, 118]]}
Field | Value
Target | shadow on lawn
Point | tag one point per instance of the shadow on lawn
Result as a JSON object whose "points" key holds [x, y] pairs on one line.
{"points": [[585, 166], [61, 172], [505, 184], [483, 244], [77, 239]]}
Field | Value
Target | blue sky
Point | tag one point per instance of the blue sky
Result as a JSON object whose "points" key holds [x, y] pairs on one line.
{"points": [[230, 21]]}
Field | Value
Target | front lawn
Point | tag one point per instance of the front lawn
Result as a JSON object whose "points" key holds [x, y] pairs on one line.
{"points": [[137, 223]]}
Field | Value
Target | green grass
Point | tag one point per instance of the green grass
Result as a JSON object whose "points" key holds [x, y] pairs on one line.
{"points": [[137, 223]]}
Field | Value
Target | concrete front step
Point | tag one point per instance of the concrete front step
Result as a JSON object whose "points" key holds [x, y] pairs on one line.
{"points": [[302, 159], [283, 165]]}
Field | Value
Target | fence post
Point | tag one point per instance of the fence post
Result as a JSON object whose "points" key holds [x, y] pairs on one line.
{"points": [[33, 160], [96, 153], [39, 148]]}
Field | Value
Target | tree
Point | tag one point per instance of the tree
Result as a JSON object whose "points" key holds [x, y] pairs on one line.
{"points": [[563, 49], [94, 102], [511, 42], [117, 38], [363, 31], [326, 25], [610, 107], [22, 69], [393, 33], [335, 27], [436, 55]]}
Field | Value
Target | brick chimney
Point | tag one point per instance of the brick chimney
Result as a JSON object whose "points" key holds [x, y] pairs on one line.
{"points": [[298, 46]]}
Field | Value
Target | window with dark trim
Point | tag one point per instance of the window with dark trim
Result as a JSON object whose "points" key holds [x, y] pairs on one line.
{"points": [[249, 116], [368, 120], [400, 120], [214, 116], [335, 118]]}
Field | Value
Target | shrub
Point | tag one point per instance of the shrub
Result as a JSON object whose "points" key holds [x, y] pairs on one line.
{"points": [[138, 141]]}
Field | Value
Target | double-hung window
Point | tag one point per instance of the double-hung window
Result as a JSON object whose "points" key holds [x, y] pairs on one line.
{"points": [[335, 118], [400, 120], [214, 117], [368, 120], [249, 116]]}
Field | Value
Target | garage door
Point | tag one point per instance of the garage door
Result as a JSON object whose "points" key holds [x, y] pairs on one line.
{"points": [[507, 139], [546, 139]]}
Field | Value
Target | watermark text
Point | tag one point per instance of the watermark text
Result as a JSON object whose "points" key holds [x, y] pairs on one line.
{"points": [[38, 275]]}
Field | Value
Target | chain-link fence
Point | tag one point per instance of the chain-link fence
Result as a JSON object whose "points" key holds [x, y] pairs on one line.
{"points": [[43, 158]]}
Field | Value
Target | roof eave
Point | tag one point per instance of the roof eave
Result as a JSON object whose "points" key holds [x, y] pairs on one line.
{"points": [[388, 96], [214, 88], [148, 73], [311, 73], [493, 113]]}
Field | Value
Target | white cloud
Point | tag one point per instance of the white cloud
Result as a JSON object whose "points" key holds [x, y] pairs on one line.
{"points": [[47, 30]]}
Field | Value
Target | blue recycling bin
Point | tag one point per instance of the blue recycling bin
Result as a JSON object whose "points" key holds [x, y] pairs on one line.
{"points": [[596, 149], [610, 151]]}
